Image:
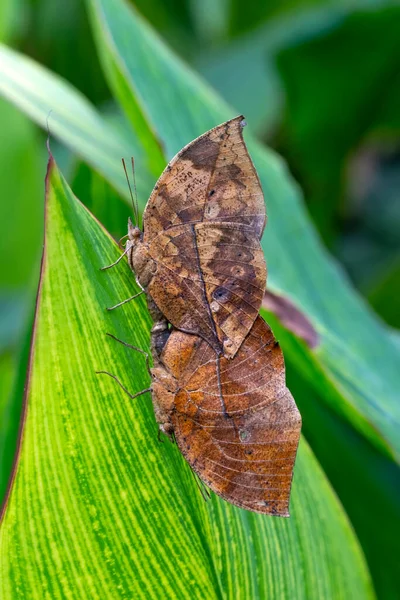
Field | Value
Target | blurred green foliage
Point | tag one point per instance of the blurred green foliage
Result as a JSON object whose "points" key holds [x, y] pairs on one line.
{"points": [[342, 94], [317, 80]]}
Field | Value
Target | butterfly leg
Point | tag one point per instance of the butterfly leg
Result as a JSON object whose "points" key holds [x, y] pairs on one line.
{"points": [[133, 348], [131, 396], [125, 301], [117, 261], [122, 238]]}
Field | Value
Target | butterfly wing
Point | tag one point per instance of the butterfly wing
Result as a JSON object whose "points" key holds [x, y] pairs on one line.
{"points": [[210, 281], [235, 421], [234, 272], [211, 179]]}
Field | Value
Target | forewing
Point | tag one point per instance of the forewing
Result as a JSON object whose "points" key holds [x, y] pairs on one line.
{"points": [[210, 281], [177, 286], [210, 179], [239, 430], [233, 269]]}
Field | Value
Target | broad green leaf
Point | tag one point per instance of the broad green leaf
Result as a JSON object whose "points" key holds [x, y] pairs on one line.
{"points": [[99, 508], [356, 355], [54, 103]]}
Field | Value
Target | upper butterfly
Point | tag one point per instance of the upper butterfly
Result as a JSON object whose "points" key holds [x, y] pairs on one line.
{"points": [[199, 257]]}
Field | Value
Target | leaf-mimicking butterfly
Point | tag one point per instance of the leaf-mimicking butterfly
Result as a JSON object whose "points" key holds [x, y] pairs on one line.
{"points": [[218, 380], [234, 421], [199, 256]]}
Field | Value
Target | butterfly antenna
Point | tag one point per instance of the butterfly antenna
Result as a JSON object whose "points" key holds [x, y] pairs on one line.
{"points": [[134, 187], [135, 216]]}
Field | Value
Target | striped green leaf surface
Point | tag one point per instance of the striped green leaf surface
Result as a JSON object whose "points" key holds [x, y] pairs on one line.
{"points": [[99, 508], [354, 368]]}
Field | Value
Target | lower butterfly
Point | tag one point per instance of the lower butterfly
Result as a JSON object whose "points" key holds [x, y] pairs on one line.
{"points": [[234, 421]]}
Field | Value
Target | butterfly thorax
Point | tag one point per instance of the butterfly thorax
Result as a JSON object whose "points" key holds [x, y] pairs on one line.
{"points": [[144, 268]]}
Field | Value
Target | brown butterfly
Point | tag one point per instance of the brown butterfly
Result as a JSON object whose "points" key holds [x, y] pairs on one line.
{"points": [[234, 421], [199, 257], [200, 263]]}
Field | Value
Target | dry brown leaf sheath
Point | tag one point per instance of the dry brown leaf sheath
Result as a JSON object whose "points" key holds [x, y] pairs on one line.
{"points": [[200, 257]]}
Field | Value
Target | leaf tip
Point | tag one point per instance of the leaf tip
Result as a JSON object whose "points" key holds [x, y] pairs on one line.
{"points": [[48, 132], [51, 161]]}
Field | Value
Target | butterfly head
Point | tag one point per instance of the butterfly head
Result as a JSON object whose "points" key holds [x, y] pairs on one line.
{"points": [[134, 233]]}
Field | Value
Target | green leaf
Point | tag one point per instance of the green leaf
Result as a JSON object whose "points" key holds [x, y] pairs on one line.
{"points": [[99, 508], [355, 364], [54, 103]]}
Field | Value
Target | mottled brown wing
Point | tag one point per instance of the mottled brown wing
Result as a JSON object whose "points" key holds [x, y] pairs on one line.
{"points": [[235, 422], [210, 179], [210, 281]]}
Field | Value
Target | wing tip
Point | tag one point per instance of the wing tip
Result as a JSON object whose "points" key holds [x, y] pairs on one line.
{"points": [[240, 121]]}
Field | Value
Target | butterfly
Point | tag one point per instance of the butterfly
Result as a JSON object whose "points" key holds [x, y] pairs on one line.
{"points": [[199, 257], [234, 421], [218, 380]]}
